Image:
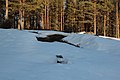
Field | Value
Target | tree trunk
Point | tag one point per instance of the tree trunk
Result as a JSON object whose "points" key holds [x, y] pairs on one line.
{"points": [[108, 24], [83, 25], [95, 29], [56, 21], [21, 18], [105, 19], [43, 27], [47, 22], [19, 24], [117, 20], [46, 14], [61, 28], [63, 20], [6, 16]]}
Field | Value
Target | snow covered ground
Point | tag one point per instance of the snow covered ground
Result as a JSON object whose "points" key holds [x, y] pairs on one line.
{"points": [[22, 57]]}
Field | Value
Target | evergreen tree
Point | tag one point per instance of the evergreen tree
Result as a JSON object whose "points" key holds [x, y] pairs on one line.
{"points": [[70, 9], [117, 21], [79, 15], [56, 14], [98, 16], [24, 7], [95, 13], [6, 16], [104, 7]]}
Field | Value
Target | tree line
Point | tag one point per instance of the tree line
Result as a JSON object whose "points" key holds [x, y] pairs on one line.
{"points": [[100, 17]]}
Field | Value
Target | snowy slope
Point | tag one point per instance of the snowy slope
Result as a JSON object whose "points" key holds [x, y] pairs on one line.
{"points": [[22, 57], [93, 42]]}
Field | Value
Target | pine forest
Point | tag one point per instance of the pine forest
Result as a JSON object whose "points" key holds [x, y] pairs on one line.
{"points": [[98, 17]]}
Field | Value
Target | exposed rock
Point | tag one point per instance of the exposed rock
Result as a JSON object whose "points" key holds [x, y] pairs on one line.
{"points": [[55, 37], [51, 38]]}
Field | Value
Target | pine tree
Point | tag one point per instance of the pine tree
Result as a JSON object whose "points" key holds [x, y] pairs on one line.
{"points": [[70, 16], [2, 6], [56, 12], [6, 16], [117, 21], [104, 7], [25, 7], [80, 15], [95, 13]]}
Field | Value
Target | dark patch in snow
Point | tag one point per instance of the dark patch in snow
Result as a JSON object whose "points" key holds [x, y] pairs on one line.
{"points": [[76, 45], [56, 37], [34, 32], [61, 60], [51, 38]]}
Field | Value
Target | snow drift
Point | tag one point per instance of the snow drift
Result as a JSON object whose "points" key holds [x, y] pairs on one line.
{"points": [[22, 57], [92, 42]]}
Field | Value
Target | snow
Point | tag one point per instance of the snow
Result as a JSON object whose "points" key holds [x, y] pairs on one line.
{"points": [[93, 42], [22, 57], [44, 33], [110, 38]]}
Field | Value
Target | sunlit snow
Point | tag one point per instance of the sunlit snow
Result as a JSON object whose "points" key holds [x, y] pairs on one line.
{"points": [[22, 57]]}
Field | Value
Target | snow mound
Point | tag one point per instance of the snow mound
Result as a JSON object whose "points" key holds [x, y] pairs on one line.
{"points": [[87, 41], [84, 40], [92, 42]]}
